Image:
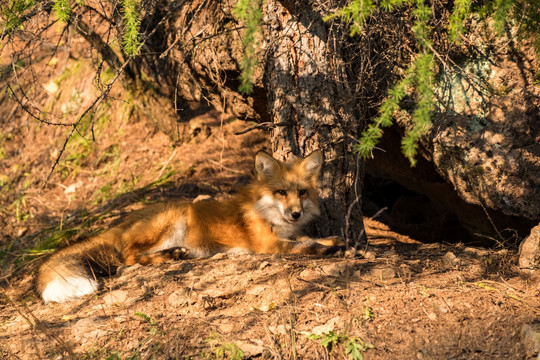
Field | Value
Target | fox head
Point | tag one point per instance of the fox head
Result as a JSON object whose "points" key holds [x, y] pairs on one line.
{"points": [[287, 191]]}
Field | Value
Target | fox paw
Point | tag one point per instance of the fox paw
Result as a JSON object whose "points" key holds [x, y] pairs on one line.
{"points": [[179, 253], [331, 241]]}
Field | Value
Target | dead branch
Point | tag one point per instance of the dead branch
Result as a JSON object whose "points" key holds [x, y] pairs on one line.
{"points": [[27, 110], [103, 95], [265, 126], [108, 54], [47, 6]]}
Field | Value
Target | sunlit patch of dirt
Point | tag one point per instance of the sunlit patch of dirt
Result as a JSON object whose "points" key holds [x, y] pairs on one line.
{"points": [[398, 298], [407, 299]]}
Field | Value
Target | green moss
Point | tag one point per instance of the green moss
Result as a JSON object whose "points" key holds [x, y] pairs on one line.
{"points": [[69, 72], [477, 123]]}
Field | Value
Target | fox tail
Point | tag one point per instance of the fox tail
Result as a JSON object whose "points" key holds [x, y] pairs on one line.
{"points": [[72, 272]]}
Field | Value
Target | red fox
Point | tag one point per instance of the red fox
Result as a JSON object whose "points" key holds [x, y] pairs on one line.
{"points": [[265, 216]]}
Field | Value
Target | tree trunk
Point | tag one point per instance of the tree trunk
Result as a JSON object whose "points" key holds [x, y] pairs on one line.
{"points": [[311, 104]]}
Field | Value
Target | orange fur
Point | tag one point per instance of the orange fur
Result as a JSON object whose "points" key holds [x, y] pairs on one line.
{"points": [[264, 217]]}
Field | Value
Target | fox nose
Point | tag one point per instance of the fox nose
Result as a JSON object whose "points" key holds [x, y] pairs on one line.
{"points": [[296, 215]]}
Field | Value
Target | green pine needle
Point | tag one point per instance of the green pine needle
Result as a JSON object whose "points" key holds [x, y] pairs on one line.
{"points": [[248, 11], [62, 10], [131, 39], [356, 13], [502, 13], [461, 10]]}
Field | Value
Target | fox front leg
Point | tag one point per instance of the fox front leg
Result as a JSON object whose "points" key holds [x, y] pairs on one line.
{"points": [[325, 246], [327, 241], [162, 256]]}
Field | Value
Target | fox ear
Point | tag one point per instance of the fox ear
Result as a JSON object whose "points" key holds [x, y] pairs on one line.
{"points": [[265, 165], [312, 164]]}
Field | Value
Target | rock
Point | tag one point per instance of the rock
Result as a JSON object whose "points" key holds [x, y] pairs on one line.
{"points": [[487, 148], [405, 272], [225, 327], [268, 306], [337, 269], [390, 253], [475, 251], [202, 197], [181, 297], [276, 257], [22, 231], [115, 297], [368, 255], [529, 250], [482, 154], [351, 253], [89, 329], [326, 328], [88, 323], [124, 270], [381, 273], [450, 260], [250, 349], [308, 274], [121, 319], [281, 329], [221, 292], [530, 338], [256, 290], [219, 256]]}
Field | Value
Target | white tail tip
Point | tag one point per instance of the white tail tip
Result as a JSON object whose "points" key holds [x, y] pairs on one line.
{"points": [[68, 288]]}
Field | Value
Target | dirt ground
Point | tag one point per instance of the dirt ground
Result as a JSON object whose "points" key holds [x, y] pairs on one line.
{"points": [[397, 298]]}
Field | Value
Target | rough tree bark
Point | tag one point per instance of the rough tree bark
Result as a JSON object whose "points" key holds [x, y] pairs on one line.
{"points": [[310, 102], [304, 82]]}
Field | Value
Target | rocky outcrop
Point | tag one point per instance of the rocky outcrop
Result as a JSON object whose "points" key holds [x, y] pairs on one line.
{"points": [[486, 136], [529, 250], [481, 160]]}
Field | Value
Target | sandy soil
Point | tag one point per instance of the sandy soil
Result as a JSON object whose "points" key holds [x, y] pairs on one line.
{"points": [[397, 298]]}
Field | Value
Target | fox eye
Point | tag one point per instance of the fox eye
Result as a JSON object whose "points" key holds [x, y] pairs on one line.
{"points": [[302, 192], [281, 192]]}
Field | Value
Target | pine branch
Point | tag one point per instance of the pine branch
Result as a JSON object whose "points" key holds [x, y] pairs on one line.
{"points": [[248, 11], [131, 37]]}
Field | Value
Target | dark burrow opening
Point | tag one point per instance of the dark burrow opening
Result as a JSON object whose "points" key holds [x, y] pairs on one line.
{"points": [[416, 215]]}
